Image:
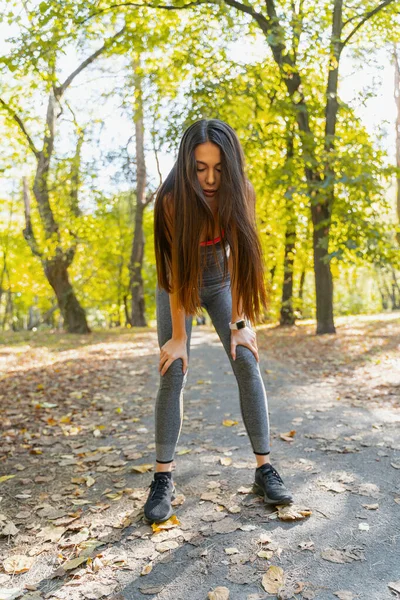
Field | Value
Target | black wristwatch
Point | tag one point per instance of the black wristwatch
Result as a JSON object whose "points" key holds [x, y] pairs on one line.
{"points": [[237, 324]]}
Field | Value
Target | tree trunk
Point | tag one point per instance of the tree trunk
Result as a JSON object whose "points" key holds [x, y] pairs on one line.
{"points": [[301, 291], [287, 312], [397, 99], [138, 318], [73, 314], [56, 267], [320, 202]]}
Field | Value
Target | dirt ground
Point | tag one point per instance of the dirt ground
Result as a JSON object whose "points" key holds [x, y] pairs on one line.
{"points": [[77, 457]]}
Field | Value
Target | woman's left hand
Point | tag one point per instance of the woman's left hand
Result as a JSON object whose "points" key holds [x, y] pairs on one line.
{"points": [[244, 337]]}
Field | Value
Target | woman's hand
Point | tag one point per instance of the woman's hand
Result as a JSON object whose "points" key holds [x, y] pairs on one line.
{"points": [[170, 351], [244, 337]]}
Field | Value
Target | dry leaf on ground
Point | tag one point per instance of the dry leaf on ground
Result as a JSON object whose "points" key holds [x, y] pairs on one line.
{"points": [[288, 435], [273, 579], [219, 593], [18, 563], [292, 512], [344, 555], [395, 586]]}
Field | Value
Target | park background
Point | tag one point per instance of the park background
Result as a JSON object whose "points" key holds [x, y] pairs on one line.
{"points": [[94, 101]]}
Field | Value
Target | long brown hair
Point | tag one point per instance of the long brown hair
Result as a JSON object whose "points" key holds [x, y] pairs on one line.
{"points": [[181, 210]]}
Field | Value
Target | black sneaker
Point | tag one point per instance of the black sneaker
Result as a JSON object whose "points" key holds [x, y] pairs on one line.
{"points": [[158, 504], [269, 483]]}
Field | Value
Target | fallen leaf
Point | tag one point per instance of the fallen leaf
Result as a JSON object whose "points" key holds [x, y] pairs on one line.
{"points": [[288, 436], [5, 477], [231, 551], [18, 563], [73, 563], [265, 538], [306, 545], [292, 512], [51, 534], [229, 422], [147, 569], [168, 524], [265, 554], [244, 490], [344, 555], [368, 489], [142, 468], [225, 460], [167, 545], [219, 593], [273, 579], [180, 499], [9, 529], [394, 585]]}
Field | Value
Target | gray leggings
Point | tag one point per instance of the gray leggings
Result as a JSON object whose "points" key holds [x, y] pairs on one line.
{"points": [[217, 300]]}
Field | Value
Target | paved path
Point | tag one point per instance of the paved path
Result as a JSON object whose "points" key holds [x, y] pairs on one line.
{"points": [[339, 462], [343, 464]]}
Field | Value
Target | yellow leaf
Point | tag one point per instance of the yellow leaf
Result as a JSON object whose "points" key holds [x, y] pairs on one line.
{"points": [[265, 554], [273, 579], [142, 468], [184, 451], [231, 551], [75, 562], [5, 477], [229, 422], [146, 569], [114, 495], [169, 524]]}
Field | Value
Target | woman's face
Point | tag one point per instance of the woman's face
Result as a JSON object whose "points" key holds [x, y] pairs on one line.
{"points": [[208, 159]]}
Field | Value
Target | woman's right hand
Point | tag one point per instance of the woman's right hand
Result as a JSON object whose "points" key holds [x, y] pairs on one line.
{"points": [[170, 351]]}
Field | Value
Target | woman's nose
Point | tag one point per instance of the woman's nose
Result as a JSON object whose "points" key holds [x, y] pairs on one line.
{"points": [[210, 177]]}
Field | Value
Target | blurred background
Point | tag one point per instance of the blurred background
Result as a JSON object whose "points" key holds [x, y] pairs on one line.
{"points": [[94, 99]]}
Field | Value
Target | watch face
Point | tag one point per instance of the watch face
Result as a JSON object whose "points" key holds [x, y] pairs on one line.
{"points": [[241, 324]]}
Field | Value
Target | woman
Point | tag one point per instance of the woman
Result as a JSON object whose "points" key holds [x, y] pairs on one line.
{"points": [[205, 234]]}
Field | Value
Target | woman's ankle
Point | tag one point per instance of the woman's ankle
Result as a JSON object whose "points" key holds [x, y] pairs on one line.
{"points": [[162, 467]]}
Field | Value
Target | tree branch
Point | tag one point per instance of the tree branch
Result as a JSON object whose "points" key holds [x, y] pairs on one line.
{"points": [[142, 5], [59, 91], [21, 126], [366, 17]]}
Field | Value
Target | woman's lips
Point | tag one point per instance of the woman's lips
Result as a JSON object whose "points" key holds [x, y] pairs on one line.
{"points": [[209, 192]]}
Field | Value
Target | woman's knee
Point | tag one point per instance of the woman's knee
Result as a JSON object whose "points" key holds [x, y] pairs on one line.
{"points": [[174, 374], [245, 359]]}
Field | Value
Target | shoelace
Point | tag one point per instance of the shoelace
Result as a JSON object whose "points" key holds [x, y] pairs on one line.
{"points": [[274, 473], [158, 487]]}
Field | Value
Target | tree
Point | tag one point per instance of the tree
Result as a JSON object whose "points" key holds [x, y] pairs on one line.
{"points": [[57, 256], [283, 26]]}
